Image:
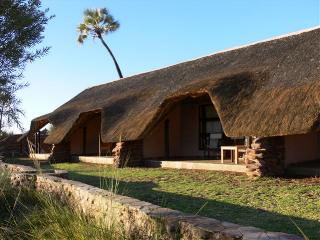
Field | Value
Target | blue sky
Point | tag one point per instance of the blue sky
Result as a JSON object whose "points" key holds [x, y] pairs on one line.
{"points": [[153, 34]]}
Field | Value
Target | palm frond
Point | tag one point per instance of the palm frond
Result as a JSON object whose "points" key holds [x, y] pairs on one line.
{"points": [[104, 11], [81, 38], [95, 23], [108, 19], [89, 21], [82, 27], [113, 26], [89, 13]]}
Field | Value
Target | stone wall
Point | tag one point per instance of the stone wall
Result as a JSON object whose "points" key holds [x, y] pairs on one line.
{"points": [[60, 153], [13, 169], [140, 219], [265, 157], [129, 154]]}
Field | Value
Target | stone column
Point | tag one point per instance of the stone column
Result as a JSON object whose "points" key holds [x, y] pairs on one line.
{"points": [[128, 154], [60, 153], [265, 157]]}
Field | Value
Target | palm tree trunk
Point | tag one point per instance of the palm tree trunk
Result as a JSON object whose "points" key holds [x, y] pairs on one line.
{"points": [[113, 58], [1, 116]]}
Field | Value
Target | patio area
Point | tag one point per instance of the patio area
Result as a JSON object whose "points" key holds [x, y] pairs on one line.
{"points": [[93, 159], [231, 159]]}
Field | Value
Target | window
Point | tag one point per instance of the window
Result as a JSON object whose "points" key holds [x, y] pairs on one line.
{"points": [[210, 129]]}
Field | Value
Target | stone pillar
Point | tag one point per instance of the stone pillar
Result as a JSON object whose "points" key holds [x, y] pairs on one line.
{"points": [[265, 157], [128, 154], [60, 153]]}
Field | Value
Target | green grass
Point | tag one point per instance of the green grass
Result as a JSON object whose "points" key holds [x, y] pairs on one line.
{"points": [[268, 203]]}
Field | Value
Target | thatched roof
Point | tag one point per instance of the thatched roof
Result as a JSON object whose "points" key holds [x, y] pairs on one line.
{"points": [[9, 143], [269, 88], [11, 138]]}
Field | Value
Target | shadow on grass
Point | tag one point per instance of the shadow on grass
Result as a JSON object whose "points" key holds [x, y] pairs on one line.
{"points": [[243, 215]]}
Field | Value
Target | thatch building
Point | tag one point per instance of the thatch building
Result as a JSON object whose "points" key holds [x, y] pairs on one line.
{"points": [[13, 146], [268, 91]]}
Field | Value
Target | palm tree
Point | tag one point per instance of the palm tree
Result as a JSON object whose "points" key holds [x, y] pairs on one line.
{"points": [[97, 22]]}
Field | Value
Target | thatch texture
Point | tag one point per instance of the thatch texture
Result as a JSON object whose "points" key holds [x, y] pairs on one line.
{"points": [[269, 88]]}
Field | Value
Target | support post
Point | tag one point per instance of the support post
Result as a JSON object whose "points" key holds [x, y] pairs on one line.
{"points": [[35, 142], [236, 155], [84, 141], [265, 157], [99, 144], [38, 150], [222, 155], [128, 154]]}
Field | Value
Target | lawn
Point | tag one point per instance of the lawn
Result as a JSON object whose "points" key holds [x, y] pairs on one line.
{"points": [[269, 203]]}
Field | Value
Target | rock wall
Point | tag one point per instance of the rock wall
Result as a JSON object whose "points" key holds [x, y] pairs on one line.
{"points": [[60, 153], [140, 220], [129, 154], [265, 157], [14, 168]]}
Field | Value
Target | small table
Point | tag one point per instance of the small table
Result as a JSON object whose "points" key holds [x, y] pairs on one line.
{"points": [[234, 152]]}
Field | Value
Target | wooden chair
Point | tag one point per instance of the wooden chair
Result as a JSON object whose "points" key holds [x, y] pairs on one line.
{"points": [[241, 152], [207, 147]]}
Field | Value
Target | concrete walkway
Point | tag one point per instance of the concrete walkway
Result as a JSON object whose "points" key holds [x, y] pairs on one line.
{"points": [[214, 165], [109, 160]]}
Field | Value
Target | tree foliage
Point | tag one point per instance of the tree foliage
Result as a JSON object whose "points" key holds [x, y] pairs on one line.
{"points": [[10, 108], [97, 22], [22, 23]]}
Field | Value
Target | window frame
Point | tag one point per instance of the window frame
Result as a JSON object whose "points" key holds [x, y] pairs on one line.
{"points": [[202, 123]]}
